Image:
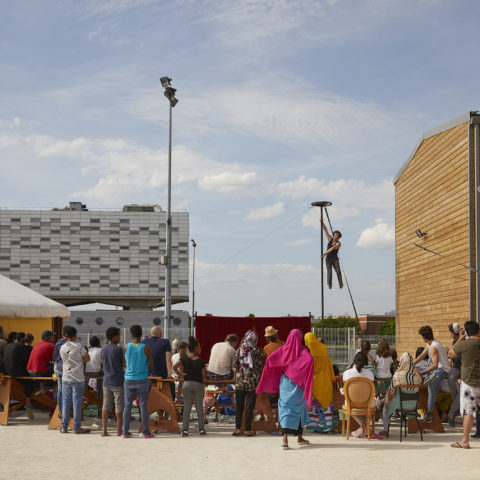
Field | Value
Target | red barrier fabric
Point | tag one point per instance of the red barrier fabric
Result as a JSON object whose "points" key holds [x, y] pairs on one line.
{"points": [[211, 330]]}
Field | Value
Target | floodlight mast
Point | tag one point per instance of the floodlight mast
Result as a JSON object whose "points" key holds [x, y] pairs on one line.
{"points": [[194, 245], [322, 205], [170, 94]]}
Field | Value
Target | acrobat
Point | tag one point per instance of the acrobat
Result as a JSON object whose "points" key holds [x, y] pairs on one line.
{"points": [[331, 255]]}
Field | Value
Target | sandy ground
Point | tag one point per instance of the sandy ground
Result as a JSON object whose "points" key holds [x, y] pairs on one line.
{"points": [[29, 450]]}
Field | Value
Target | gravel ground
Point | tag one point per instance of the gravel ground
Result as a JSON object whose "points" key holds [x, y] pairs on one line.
{"points": [[29, 449]]}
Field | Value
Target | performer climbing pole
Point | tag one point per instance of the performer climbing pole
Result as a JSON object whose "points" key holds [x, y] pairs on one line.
{"points": [[332, 259], [331, 254]]}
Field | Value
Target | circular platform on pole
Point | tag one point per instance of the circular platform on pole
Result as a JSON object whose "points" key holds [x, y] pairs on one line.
{"points": [[321, 204]]}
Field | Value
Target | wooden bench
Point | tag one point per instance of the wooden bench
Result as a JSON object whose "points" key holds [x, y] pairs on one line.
{"points": [[12, 389], [159, 400]]}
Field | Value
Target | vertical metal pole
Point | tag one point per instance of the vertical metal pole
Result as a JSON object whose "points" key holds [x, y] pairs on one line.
{"points": [[168, 277], [193, 292], [321, 269], [477, 221]]}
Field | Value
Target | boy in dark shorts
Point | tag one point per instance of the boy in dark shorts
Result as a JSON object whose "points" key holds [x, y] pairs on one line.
{"points": [[112, 364]]}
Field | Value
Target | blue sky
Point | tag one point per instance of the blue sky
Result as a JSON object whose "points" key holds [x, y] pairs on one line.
{"points": [[281, 103]]}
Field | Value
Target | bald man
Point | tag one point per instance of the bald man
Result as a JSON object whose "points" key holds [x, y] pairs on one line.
{"points": [[161, 353]]}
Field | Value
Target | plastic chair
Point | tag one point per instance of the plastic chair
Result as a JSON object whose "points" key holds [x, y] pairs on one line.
{"points": [[410, 410], [358, 392]]}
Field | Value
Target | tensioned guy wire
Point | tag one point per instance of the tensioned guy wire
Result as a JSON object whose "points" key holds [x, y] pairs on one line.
{"points": [[252, 244]]}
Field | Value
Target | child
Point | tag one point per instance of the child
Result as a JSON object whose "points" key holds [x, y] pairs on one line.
{"points": [[383, 362], [365, 348], [138, 359], [93, 368], [193, 372], [73, 356], [181, 348], [112, 364]]}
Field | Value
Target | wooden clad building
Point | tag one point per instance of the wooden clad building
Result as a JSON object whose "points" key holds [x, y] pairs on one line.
{"points": [[437, 194]]}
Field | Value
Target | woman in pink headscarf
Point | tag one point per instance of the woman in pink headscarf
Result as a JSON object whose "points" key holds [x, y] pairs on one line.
{"points": [[289, 370]]}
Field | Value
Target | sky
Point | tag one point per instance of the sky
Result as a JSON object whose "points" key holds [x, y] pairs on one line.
{"points": [[281, 103]]}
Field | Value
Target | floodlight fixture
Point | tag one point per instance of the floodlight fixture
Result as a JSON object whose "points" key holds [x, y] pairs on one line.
{"points": [[165, 81], [419, 233], [193, 243], [170, 94]]}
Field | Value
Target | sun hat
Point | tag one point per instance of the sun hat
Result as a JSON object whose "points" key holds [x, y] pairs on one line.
{"points": [[270, 331]]}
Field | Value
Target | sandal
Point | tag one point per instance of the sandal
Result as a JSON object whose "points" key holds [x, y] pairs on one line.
{"points": [[303, 442], [285, 446], [459, 445], [82, 430], [375, 436]]}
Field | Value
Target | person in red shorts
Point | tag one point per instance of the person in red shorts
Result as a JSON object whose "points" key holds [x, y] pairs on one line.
{"points": [[40, 361]]}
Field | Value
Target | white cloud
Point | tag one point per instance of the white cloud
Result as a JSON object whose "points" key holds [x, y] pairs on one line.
{"points": [[349, 197], [226, 182], [16, 122], [266, 212], [123, 169], [312, 217], [110, 7], [298, 243], [270, 107], [344, 191], [380, 236], [248, 22]]}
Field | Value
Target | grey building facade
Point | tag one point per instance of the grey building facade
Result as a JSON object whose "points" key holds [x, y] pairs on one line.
{"points": [[96, 322], [76, 256]]}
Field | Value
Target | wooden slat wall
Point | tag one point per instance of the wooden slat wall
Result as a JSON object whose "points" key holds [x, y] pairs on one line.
{"points": [[432, 195]]}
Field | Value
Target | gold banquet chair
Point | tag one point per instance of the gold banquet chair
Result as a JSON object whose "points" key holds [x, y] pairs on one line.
{"points": [[358, 392]]}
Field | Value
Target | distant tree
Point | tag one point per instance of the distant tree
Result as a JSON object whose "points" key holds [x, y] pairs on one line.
{"points": [[387, 327], [208, 315], [251, 315], [342, 321]]}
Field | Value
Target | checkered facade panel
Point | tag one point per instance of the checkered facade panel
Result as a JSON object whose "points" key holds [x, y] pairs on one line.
{"points": [[93, 253]]}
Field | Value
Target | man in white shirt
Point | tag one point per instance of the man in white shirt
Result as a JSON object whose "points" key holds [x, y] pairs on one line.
{"points": [[222, 358], [439, 367], [73, 355]]}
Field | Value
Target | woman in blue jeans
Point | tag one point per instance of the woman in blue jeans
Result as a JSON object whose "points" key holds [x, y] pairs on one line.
{"points": [[138, 358]]}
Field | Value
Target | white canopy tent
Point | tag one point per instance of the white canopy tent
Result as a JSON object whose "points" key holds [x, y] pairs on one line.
{"points": [[17, 301]]}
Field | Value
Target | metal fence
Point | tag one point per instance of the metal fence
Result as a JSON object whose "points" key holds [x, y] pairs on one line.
{"points": [[343, 343]]}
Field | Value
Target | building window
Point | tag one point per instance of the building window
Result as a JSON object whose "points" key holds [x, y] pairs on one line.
{"points": [[99, 320], [79, 321], [157, 321], [120, 321]]}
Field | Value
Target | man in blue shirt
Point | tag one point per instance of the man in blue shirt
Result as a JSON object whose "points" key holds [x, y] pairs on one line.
{"points": [[161, 355]]}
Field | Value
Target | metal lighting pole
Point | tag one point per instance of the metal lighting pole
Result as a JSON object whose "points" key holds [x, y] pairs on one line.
{"points": [[193, 286], [170, 94], [322, 205]]}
